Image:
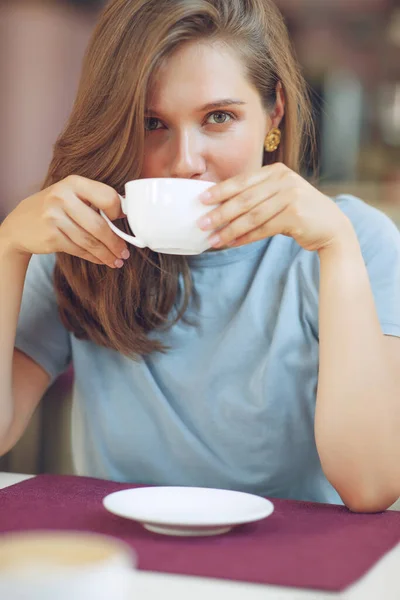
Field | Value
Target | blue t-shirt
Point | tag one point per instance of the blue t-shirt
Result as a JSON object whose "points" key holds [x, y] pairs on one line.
{"points": [[232, 403]]}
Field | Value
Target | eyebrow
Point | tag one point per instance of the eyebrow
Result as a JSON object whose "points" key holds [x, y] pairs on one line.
{"points": [[211, 105], [221, 103]]}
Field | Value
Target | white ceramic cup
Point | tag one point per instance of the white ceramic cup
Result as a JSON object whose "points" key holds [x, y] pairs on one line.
{"points": [[162, 213], [63, 565]]}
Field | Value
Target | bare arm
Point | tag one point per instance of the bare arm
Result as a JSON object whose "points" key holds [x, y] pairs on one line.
{"points": [[357, 419], [358, 401], [58, 219], [22, 381], [29, 383]]}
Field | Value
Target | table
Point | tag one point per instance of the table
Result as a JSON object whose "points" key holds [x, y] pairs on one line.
{"points": [[383, 581]]}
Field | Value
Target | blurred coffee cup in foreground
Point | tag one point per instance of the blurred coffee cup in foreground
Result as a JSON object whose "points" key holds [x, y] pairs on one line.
{"points": [[64, 565]]}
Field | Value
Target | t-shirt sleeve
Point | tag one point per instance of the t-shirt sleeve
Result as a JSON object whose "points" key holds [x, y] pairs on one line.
{"points": [[40, 332], [379, 240]]}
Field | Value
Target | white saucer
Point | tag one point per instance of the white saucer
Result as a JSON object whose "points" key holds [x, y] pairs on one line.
{"points": [[188, 511]]}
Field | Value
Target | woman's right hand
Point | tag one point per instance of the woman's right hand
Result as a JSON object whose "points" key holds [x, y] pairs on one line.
{"points": [[61, 219]]}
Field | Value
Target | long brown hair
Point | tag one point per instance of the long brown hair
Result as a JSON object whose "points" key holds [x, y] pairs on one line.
{"points": [[104, 141]]}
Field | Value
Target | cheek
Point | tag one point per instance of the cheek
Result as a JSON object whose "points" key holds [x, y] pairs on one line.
{"points": [[152, 162], [241, 154]]}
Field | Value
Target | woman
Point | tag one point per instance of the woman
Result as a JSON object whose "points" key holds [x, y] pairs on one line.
{"points": [[269, 365]]}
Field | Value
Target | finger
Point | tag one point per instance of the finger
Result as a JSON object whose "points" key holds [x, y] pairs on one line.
{"points": [[69, 247], [89, 220], [231, 187], [88, 243], [250, 221], [278, 225], [121, 215], [238, 205], [99, 194]]}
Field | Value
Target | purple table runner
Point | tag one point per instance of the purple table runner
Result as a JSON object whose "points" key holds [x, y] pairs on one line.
{"points": [[304, 545]]}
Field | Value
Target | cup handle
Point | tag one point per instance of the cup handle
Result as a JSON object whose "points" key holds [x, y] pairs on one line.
{"points": [[128, 238]]}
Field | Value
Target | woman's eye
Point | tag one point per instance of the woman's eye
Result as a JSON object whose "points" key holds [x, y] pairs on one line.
{"points": [[151, 123], [219, 118]]}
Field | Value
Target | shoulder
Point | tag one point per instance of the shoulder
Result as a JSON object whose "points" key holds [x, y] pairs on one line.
{"points": [[378, 237], [373, 227], [40, 273], [43, 263]]}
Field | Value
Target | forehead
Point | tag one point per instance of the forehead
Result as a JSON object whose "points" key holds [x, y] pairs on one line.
{"points": [[198, 73]]}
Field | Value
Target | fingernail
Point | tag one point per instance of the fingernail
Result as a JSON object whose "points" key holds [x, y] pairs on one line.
{"points": [[119, 263], [204, 223], [204, 196], [125, 254], [214, 240]]}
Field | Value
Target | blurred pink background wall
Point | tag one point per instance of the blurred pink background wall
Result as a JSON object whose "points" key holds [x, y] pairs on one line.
{"points": [[349, 51], [41, 49]]}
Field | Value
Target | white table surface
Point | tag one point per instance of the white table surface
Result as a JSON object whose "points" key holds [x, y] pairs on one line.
{"points": [[382, 582]]}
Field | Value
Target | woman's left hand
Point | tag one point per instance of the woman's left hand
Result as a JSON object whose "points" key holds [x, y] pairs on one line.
{"points": [[274, 200]]}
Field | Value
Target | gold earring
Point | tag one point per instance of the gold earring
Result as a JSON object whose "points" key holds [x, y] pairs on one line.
{"points": [[272, 140]]}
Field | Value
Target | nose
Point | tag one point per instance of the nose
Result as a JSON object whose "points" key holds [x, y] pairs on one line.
{"points": [[187, 160]]}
